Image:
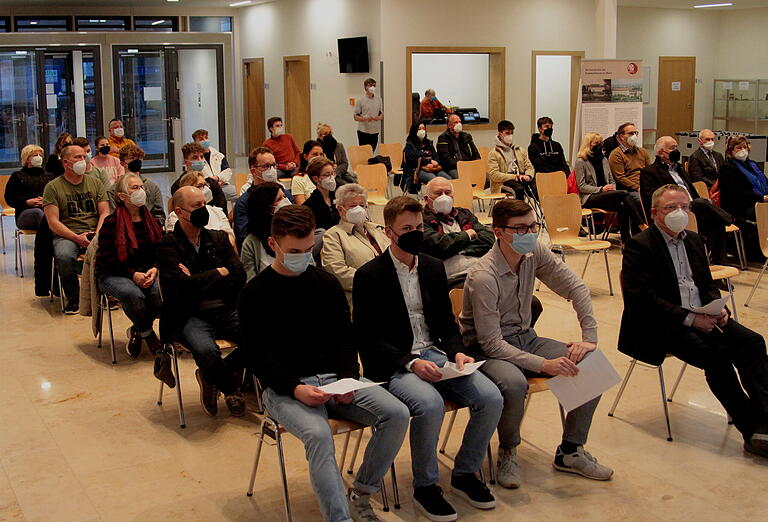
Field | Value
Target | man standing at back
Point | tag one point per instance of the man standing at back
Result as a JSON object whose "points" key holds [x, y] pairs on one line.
{"points": [[368, 115], [545, 153], [705, 162], [455, 145]]}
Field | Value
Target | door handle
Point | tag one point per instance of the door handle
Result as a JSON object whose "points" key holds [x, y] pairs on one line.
{"points": [[690, 106]]}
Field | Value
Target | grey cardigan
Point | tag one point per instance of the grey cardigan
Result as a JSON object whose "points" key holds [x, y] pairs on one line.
{"points": [[586, 177]]}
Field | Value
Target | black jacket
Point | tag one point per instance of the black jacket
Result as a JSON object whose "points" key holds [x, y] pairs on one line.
{"points": [[412, 152], [54, 166], [325, 216], [700, 167], [448, 149], [380, 315], [182, 294], [652, 308], [219, 199], [736, 193], [24, 184], [443, 245], [610, 143], [656, 175], [547, 156]]}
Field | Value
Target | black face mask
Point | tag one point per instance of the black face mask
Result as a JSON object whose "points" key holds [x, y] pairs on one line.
{"points": [[135, 165], [548, 132], [198, 217], [410, 241], [104, 150], [597, 150], [674, 156]]}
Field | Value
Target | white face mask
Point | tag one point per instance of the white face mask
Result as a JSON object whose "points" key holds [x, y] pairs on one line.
{"points": [[632, 140], [676, 220], [207, 194], [458, 127], [269, 175], [280, 204], [36, 161], [741, 155], [421, 133], [509, 139], [88, 157], [357, 215], [443, 204], [278, 131], [138, 197], [328, 183], [79, 167], [119, 132], [709, 145], [372, 89]]}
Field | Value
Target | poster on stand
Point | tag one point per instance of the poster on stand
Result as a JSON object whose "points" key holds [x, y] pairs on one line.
{"points": [[611, 94]]}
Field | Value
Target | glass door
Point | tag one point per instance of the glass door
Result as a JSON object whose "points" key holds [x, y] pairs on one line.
{"points": [[59, 115], [18, 105]]}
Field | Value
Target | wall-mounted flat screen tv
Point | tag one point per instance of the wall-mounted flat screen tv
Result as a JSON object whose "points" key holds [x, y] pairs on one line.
{"points": [[353, 55]]}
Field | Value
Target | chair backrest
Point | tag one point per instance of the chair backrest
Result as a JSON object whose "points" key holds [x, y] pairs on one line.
{"points": [[692, 225], [373, 178], [395, 153], [474, 171], [240, 178], [462, 192], [761, 214], [457, 296], [551, 183], [170, 204], [563, 215], [358, 155], [484, 151], [701, 189], [3, 183]]}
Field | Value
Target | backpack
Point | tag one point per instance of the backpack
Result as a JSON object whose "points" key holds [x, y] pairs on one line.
{"points": [[573, 187], [381, 159]]}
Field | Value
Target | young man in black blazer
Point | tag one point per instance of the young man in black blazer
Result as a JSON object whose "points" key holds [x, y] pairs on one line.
{"points": [[403, 314], [664, 275]]}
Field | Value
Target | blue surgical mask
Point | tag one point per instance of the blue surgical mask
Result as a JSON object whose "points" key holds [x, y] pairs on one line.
{"points": [[205, 144], [197, 166], [524, 243], [298, 263]]}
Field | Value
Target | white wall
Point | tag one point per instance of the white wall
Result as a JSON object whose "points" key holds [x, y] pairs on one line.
{"points": [[553, 95], [311, 27], [459, 80], [199, 94], [743, 48]]}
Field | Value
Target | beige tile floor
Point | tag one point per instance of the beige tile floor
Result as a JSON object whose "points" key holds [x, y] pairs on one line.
{"points": [[81, 439]]}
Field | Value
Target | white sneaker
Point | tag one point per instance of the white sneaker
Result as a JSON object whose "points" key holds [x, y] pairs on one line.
{"points": [[360, 507], [581, 463], [507, 471]]}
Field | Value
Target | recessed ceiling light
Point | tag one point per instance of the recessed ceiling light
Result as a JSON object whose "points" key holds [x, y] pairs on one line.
{"points": [[158, 22], [727, 4], [32, 23], [171, 0], [238, 4]]}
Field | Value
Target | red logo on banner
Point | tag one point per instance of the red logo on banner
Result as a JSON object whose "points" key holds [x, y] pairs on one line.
{"points": [[632, 68]]}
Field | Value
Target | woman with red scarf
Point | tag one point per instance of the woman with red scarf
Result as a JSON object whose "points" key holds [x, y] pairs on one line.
{"points": [[125, 263]]}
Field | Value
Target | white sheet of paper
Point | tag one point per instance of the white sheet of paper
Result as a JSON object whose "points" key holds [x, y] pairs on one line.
{"points": [[153, 93], [451, 371], [596, 376], [713, 308], [346, 385]]}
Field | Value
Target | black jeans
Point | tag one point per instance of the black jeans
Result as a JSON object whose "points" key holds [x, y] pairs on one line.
{"points": [[711, 221], [363, 138], [621, 202], [721, 355]]}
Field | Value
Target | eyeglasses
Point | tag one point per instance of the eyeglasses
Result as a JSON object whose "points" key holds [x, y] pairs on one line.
{"points": [[267, 166], [672, 208], [523, 229], [633, 133]]}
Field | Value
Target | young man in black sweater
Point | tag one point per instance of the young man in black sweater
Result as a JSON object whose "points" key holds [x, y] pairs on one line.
{"points": [[546, 154], [319, 352]]}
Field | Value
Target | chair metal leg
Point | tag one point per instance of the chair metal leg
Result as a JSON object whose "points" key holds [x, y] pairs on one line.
{"points": [[741, 251], [259, 444], [448, 431], [608, 272], [586, 263], [757, 282], [354, 453], [677, 382], [16, 251], [344, 450], [562, 414], [160, 395], [733, 301], [111, 331], [491, 468], [101, 319], [384, 496], [2, 233], [396, 492], [664, 402], [623, 385], [175, 360], [259, 401], [281, 458]]}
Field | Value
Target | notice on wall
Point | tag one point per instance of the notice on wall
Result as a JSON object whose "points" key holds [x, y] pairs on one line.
{"points": [[675, 86], [52, 101], [611, 94], [728, 86], [153, 94], [743, 86]]}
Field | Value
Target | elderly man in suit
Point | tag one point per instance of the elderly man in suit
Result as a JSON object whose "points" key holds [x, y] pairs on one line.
{"points": [[705, 162], [664, 277]]}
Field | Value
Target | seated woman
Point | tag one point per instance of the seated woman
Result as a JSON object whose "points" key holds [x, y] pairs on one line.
{"points": [[217, 219], [24, 191], [301, 186], [419, 160], [334, 151], [125, 262], [355, 240], [598, 190], [53, 165], [105, 161], [263, 201], [323, 176]]}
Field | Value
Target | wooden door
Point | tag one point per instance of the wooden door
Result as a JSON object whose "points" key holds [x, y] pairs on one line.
{"points": [[255, 120], [677, 79], [298, 114]]}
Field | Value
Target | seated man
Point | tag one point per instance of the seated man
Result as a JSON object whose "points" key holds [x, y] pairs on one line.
{"points": [[322, 351], [262, 169], [283, 146], [509, 168], [452, 234], [545, 153], [90, 168], [194, 161], [705, 162], [216, 166], [75, 205], [628, 159], [201, 277], [131, 157], [217, 219], [665, 275], [402, 310], [455, 145], [667, 170], [429, 104], [496, 321]]}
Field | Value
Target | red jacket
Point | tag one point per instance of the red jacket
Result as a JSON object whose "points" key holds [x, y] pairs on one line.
{"points": [[284, 149], [427, 107]]}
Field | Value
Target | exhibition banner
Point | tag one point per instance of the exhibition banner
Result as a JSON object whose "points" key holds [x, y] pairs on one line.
{"points": [[611, 94]]}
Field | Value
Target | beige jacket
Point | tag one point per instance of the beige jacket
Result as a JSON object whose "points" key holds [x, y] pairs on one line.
{"points": [[497, 167], [346, 249], [89, 292]]}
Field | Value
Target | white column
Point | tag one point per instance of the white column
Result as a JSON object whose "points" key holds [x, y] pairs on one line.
{"points": [[78, 88], [605, 29]]}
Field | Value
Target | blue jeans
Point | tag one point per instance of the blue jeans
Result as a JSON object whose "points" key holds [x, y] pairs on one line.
{"points": [[425, 177], [141, 305], [199, 335], [65, 253], [425, 402], [373, 407]]}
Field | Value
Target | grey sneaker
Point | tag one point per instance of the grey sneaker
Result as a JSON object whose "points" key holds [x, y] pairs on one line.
{"points": [[360, 507], [507, 474], [582, 463]]}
